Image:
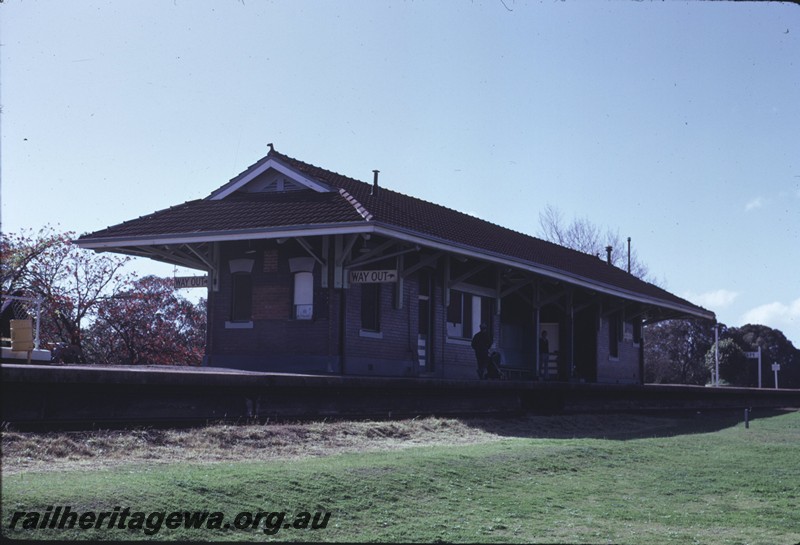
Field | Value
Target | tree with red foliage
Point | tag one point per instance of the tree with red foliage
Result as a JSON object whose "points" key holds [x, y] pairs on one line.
{"points": [[71, 281], [148, 323], [92, 311]]}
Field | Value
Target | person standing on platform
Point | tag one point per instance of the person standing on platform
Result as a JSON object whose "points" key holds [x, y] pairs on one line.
{"points": [[544, 354], [481, 343]]}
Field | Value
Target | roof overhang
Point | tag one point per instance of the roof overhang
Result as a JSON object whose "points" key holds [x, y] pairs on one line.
{"points": [[138, 245], [542, 270]]}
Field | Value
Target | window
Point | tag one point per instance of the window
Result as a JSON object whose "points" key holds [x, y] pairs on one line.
{"points": [[302, 268], [637, 332], [465, 314], [371, 307], [614, 334], [303, 295], [242, 300]]}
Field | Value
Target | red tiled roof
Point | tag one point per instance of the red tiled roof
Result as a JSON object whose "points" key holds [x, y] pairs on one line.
{"points": [[417, 215], [236, 213], [244, 212]]}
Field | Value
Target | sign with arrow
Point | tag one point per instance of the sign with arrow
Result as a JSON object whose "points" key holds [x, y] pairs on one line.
{"points": [[191, 282], [372, 277]]}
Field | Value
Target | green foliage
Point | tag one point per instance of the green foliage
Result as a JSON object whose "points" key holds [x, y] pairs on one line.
{"points": [[733, 364], [682, 352], [736, 369], [775, 348], [674, 352]]}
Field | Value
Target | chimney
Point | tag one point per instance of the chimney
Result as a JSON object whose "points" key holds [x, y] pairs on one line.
{"points": [[629, 255], [375, 183], [608, 254]]}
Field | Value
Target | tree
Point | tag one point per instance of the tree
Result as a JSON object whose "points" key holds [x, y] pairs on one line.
{"points": [[584, 236], [733, 364], [775, 348], [100, 313], [148, 323], [71, 281], [19, 253], [675, 352]]}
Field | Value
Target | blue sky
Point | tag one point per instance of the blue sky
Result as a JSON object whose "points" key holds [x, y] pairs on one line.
{"points": [[675, 123]]}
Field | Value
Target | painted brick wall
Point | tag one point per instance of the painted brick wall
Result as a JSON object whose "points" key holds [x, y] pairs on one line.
{"points": [[273, 301], [621, 370], [455, 358], [275, 341], [389, 352]]}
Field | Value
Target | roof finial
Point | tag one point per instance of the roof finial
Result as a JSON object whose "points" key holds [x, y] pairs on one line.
{"points": [[271, 147]]}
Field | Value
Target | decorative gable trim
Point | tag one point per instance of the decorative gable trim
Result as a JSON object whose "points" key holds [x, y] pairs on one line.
{"points": [[363, 212], [271, 163]]}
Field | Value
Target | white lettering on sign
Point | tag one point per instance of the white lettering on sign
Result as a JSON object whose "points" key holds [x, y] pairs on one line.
{"points": [[751, 355], [776, 366], [191, 282], [372, 277]]}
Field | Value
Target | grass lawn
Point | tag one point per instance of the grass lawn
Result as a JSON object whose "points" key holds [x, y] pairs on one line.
{"points": [[702, 478]]}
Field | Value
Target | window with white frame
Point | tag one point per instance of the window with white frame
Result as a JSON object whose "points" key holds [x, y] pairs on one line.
{"points": [[302, 268], [303, 296], [371, 307], [615, 332], [241, 290], [242, 300], [465, 313]]}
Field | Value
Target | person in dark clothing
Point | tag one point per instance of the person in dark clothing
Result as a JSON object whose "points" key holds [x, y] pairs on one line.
{"points": [[481, 343], [544, 344], [544, 354]]}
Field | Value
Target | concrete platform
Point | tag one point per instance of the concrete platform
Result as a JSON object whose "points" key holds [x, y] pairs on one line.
{"points": [[87, 396]]}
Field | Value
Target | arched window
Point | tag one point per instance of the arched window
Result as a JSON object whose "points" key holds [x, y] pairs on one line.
{"points": [[303, 295], [303, 267], [241, 290], [242, 297]]}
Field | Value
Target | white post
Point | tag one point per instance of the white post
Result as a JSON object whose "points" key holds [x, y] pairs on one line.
{"points": [[775, 368], [759, 366], [716, 353], [38, 320]]}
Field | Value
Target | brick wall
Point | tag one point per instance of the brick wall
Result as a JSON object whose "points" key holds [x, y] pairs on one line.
{"points": [[272, 301], [391, 351], [277, 342], [274, 340], [625, 368]]}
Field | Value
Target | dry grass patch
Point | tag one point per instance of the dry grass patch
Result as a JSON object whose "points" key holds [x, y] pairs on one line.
{"points": [[29, 451], [225, 442]]}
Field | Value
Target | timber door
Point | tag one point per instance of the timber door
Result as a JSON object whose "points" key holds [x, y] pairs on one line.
{"points": [[586, 346]]}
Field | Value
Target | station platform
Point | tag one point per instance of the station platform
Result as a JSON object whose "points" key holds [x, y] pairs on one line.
{"points": [[96, 396]]}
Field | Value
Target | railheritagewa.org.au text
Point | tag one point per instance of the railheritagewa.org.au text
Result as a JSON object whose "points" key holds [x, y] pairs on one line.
{"points": [[63, 517]]}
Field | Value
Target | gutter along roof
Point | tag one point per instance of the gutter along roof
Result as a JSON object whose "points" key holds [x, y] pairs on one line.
{"points": [[350, 207]]}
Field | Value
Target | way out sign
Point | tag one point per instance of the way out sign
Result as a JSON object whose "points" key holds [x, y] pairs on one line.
{"points": [[372, 277], [191, 282]]}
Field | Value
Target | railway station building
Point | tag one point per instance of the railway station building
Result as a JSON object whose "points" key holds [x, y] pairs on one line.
{"points": [[310, 271]]}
